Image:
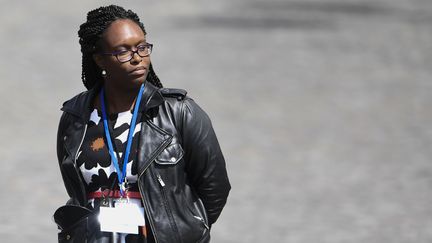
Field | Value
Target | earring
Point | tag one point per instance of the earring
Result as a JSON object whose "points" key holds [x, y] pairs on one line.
{"points": [[104, 73]]}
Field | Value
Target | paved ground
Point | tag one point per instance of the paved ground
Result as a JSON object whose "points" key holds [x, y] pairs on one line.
{"points": [[322, 109]]}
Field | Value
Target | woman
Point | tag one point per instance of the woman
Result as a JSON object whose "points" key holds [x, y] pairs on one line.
{"points": [[141, 163]]}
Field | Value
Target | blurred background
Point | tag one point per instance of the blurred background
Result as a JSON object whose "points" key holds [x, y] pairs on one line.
{"points": [[322, 109]]}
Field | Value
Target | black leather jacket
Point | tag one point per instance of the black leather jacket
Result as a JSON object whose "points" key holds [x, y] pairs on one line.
{"points": [[182, 176]]}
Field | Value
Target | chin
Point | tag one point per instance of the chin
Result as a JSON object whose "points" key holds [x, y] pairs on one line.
{"points": [[134, 82], [142, 79], [138, 81]]}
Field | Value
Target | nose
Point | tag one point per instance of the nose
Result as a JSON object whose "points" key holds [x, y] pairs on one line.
{"points": [[135, 57]]}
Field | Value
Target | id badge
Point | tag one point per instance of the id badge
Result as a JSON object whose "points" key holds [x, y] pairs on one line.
{"points": [[125, 217]]}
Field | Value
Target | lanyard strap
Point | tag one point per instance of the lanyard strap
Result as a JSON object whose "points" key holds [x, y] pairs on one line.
{"points": [[121, 174]]}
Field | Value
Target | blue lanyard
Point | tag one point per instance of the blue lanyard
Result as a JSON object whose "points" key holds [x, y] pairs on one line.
{"points": [[121, 174]]}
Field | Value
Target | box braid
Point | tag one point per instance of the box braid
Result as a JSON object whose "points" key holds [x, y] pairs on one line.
{"points": [[90, 32]]}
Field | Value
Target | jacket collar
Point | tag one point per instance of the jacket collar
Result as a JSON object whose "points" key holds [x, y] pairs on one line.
{"points": [[81, 104]]}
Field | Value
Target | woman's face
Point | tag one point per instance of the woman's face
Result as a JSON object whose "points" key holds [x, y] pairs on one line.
{"points": [[121, 35]]}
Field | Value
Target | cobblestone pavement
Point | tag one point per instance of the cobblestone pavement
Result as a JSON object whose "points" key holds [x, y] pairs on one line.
{"points": [[322, 108]]}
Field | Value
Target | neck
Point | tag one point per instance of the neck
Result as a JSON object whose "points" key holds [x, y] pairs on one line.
{"points": [[119, 100]]}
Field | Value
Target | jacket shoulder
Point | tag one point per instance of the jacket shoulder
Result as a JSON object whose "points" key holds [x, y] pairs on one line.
{"points": [[179, 94], [76, 99], [79, 103]]}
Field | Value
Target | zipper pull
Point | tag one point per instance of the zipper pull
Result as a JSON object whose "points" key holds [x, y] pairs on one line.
{"points": [[203, 221], [160, 180]]}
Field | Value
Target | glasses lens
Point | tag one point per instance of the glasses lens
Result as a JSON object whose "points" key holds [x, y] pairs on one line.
{"points": [[124, 56], [144, 50]]}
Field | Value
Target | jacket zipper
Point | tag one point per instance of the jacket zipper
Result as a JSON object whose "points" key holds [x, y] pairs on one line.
{"points": [[76, 156], [167, 208], [161, 182], [203, 221], [82, 141], [146, 209]]}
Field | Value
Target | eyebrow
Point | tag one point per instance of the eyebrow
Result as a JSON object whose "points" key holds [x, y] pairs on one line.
{"points": [[126, 46]]}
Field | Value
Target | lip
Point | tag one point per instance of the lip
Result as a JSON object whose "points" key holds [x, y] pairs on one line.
{"points": [[138, 71]]}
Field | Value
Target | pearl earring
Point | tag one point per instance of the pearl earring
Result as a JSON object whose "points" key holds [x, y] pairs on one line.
{"points": [[104, 73]]}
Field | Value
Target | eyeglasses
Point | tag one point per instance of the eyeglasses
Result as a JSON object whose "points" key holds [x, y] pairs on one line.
{"points": [[127, 55]]}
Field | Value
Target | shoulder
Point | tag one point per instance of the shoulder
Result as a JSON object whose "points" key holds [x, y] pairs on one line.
{"points": [[179, 94], [72, 102], [175, 98], [80, 104], [73, 108], [182, 104]]}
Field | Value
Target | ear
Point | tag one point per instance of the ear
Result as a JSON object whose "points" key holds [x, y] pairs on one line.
{"points": [[99, 60]]}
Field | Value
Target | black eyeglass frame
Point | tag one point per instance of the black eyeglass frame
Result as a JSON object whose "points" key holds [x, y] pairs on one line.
{"points": [[116, 53]]}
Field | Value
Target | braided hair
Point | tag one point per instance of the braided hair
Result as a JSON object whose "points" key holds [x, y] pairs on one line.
{"points": [[90, 32]]}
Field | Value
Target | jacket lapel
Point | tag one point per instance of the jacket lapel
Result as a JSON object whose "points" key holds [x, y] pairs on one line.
{"points": [[152, 141]]}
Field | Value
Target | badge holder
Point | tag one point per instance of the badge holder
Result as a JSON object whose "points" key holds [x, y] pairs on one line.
{"points": [[120, 215]]}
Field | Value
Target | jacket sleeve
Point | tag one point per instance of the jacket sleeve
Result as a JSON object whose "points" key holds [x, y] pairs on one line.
{"points": [[205, 163]]}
